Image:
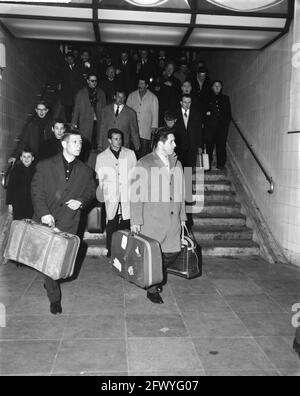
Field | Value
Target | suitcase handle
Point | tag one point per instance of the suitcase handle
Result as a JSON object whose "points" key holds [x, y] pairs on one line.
{"points": [[54, 229]]}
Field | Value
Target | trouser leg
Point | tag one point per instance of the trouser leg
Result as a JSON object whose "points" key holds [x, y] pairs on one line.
{"points": [[111, 227], [53, 290], [168, 260], [145, 148], [221, 146]]}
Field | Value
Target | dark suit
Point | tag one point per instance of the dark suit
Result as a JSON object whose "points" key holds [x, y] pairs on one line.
{"points": [[168, 96], [125, 122], [203, 94], [50, 191], [189, 139], [217, 120], [71, 82], [127, 77]]}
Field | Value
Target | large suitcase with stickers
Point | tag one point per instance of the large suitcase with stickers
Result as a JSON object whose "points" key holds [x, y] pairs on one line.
{"points": [[137, 258], [45, 249]]}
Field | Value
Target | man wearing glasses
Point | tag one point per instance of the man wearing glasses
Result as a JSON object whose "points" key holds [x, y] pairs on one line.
{"points": [[87, 113]]}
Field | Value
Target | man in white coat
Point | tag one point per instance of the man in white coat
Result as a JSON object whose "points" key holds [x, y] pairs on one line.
{"points": [[146, 106], [113, 168]]}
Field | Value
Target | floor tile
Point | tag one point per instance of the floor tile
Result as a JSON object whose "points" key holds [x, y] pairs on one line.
{"points": [[234, 287], [100, 304], [39, 305], [253, 303], [241, 354], [95, 326], [155, 326], [242, 373], [280, 351], [279, 286], [169, 373], [91, 355], [286, 301], [201, 303], [209, 324], [21, 357], [267, 324], [33, 327], [157, 355]]}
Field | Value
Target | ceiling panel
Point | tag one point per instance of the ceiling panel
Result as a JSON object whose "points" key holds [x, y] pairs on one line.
{"points": [[141, 34], [142, 16], [45, 11], [226, 38], [241, 21], [50, 30], [179, 4]]}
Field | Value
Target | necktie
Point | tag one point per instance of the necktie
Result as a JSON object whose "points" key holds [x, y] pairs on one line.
{"points": [[117, 111], [185, 114]]}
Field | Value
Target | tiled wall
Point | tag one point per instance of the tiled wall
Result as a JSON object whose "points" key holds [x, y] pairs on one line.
{"points": [[30, 64], [259, 86]]}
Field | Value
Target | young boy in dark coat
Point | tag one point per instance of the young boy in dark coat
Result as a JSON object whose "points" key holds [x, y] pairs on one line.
{"points": [[18, 196]]}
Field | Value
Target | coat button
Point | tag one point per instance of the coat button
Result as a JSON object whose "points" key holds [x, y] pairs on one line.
{"points": [[172, 213]]}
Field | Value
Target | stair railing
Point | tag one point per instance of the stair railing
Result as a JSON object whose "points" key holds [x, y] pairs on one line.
{"points": [[268, 177]]}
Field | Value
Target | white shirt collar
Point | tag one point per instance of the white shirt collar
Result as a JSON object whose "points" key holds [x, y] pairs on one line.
{"points": [[121, 107]]}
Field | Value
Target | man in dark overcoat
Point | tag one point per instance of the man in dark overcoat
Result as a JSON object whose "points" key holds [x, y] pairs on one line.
{"points": [[61, 187], [188, 132], [217, 120]]}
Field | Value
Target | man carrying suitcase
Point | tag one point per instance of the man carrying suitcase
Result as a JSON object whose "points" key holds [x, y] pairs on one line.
{"points": [[156, 210], [61, 187]]}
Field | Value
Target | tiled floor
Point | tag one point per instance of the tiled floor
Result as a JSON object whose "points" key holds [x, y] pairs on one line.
{"points": [[235, 320]]}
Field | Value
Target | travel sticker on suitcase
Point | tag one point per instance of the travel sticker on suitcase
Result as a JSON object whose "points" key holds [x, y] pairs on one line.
{"points": [[137, 259]]}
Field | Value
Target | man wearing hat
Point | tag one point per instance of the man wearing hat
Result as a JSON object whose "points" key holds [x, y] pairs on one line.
{"points": [[146, 106]]}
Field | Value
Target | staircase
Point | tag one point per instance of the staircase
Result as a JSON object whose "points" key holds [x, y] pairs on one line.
{"points": [[220, 228]]}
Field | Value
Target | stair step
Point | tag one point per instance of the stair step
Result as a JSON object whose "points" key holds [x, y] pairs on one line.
{"points": [[222, 208], [213, 186], [204, 219], [230, 248], [217, 196], [215, 176], [218, 233]]}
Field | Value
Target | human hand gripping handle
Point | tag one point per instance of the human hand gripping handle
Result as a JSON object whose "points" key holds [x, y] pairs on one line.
{"points": [[48, 220], [136, 229]]}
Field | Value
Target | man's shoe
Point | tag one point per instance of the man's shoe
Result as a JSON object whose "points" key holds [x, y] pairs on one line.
{"points": [[155, 298], [56, 308]]}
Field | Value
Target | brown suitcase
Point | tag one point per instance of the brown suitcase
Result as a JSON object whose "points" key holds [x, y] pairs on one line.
{"points": [[137, 258], [45, 249]]}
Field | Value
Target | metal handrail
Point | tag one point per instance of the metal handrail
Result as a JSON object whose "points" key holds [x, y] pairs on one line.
{"points": [[269, 178]]}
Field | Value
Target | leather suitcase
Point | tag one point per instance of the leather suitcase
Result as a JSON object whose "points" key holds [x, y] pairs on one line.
{"points": [[95, 221], [43, 248], [137, 258]]}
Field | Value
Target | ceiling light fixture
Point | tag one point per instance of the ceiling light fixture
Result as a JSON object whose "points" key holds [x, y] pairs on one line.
{"points": [[147, 3], [242, 5]]}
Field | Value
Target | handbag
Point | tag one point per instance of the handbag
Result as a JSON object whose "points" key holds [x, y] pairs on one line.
{"points": [[203, 160], [5, 176], [188, 263]]}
